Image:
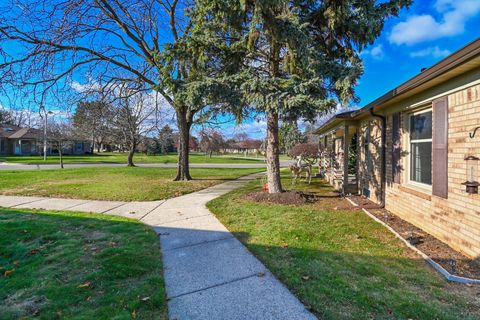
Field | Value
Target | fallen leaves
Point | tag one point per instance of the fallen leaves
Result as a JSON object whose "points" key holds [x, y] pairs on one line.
{"points": [[8, 272], [33, 251], [145, 298], [87, 284], [260, 274]]}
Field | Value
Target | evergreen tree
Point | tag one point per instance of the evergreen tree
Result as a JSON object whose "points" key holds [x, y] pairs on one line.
{"points": [[289, 136], [166, 140], [291, 59], [93, 120], [5, 117]]}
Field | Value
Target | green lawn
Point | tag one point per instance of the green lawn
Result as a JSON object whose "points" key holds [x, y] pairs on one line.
{"points": [[113, 157], [117, 183], [64, 265], [340, 263]]}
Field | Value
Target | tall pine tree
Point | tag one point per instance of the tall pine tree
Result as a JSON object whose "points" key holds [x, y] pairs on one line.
{"points": [[290, 59]]}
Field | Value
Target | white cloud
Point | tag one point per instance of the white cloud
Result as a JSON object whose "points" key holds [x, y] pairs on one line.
{"points": [[435, 52], [376, 52], [88, 87], [256, 128], [419, 28]]}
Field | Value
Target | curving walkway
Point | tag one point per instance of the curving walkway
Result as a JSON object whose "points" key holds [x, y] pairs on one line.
{"points": [[208, 273]]}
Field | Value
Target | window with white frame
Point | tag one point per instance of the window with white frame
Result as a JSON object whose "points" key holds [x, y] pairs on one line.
{"points": [[421, 147]]}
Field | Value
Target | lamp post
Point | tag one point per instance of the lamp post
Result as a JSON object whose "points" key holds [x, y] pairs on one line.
{"points": [[45, 116]]}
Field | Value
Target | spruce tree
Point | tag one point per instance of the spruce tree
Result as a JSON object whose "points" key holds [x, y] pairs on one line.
{"points": [[289, 59]]}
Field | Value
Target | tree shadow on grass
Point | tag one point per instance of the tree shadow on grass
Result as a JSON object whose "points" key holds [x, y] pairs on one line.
{"points": [[333, 284], [61, 265]]}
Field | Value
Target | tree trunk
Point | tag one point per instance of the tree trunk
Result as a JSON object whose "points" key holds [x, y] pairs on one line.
{"points": [[131, 152], [273, 151], [60, 153], [92, 147], [183, 171]]}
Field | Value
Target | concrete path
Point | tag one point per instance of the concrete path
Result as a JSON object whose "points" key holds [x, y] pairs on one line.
{"points": [[208, 273]]}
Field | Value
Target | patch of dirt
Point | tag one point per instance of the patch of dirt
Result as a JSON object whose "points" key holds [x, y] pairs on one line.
{"points": [[24, 305], [437, 250], [288, 197]]}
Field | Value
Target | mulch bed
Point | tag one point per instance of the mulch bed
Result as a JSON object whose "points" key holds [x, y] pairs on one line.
{"points": [[431, 246], [289, 197]]}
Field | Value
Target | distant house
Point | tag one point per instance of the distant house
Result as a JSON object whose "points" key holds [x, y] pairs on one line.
{"points": [[249, 146], [20, 141], [413, 150]]}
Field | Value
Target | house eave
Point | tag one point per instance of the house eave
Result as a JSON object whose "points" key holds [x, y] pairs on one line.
{"points": [[458, 63]]}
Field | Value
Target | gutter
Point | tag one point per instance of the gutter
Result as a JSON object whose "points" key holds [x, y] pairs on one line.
{"points": [[383, 172]]}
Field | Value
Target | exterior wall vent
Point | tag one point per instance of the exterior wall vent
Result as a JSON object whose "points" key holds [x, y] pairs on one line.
{"points": [[366, 192]]}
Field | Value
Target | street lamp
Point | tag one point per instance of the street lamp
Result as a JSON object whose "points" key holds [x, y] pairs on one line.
{"points": [[45, 116]]}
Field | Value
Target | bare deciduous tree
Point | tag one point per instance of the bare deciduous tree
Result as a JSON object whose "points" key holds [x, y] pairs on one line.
{"points": [[211, 141], [43, 43], [61, 135], [135, 116]]}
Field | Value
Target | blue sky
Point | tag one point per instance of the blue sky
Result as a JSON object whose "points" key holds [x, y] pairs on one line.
{"points": [[419, 37], [422, 35]]}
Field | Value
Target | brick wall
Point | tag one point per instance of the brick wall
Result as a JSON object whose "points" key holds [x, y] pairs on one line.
{"points": [[455, 220], [369, 166]]}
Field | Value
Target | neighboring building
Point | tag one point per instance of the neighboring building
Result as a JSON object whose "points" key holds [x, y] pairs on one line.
{"points": [[19, 141], [411, 145], [249, 146]]}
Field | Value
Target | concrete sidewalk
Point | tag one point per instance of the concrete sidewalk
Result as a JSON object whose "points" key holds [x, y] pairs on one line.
{"points": [[208, 273]]}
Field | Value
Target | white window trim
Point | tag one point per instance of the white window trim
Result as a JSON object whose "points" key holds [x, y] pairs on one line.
{"points": [[415, 184]]}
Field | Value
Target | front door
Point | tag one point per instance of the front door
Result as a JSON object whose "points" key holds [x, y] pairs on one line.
{"points": [[18, 147]]}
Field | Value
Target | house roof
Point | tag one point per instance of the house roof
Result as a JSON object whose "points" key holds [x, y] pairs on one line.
{"points": [[334, 121], [15, 132], [459, 62], [7, 130]]}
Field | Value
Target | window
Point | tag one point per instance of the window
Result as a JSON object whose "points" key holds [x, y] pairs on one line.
{"points": [[79, 146], [421, 147], [2, 145]]}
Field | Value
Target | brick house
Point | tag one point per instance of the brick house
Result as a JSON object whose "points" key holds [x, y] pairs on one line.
{"points": [[18, 141], [406, 150]]}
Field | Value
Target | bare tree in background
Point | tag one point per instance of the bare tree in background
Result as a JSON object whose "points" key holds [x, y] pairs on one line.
{"points": [[43, 43], [61, 135], [135, 116], [211, 141]]}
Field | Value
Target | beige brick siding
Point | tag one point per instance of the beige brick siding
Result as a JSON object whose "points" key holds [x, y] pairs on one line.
{"points": [[455, 220], [369, 167]]}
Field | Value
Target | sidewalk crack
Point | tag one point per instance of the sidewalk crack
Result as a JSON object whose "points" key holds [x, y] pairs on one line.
{"points": [[197, 244], [215, 286]]}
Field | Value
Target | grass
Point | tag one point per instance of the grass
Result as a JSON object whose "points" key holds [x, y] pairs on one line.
{"points": [[64, 265], [117, 183], [340, 263], [114, 157]]}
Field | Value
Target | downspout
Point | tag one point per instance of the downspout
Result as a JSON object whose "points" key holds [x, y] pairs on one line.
{"points": [[383, 172]]}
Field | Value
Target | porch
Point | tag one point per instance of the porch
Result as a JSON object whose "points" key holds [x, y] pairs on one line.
{"points": [[339, 150]]}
